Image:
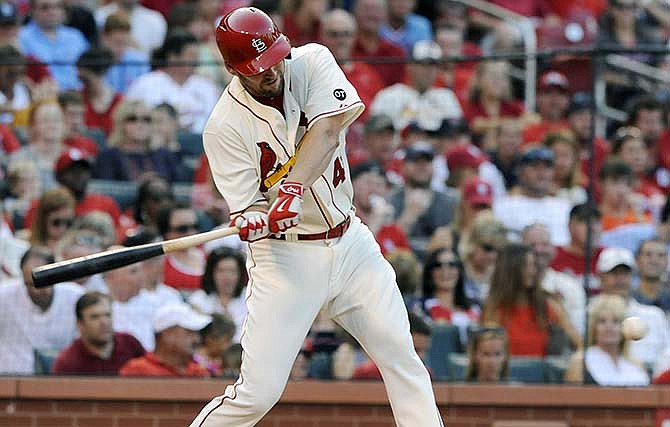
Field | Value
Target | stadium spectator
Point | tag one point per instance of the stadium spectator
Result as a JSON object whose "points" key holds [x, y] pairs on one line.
{"points": [[444, 300], [164, 129], [456, 76], [476, 196], [174, 81], [562, 287], [478, 248], [370, 191], [79, 16], [222, 288], [532, 201], [32, 318], [153, 285], [418, 209], [506, 154], [489, 101], [153, 194], [99, 96], [184, 268], [177, 328], [11, 251], [579, 121], [338, 33], [14, 93], [98, 350], [652, 267], [99, 223], [370, 16], [379, 145], [607, 359], [518, 303], [553, 98], [147, 27], [302, 20], [465, 160], [23, 186], [53, 217], [73, 171], [408, 273], [618, 203], [488, 355], [74, 117], [570, 258], [568, 178], [615, 267], [129, 155], [129, 62], [132, 309], [215, 338], [418, 101], [76, 243], [47, 38], [404, 27], [46, 142]]}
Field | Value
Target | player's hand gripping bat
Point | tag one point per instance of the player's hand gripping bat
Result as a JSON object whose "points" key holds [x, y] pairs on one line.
{"points": [[77, 268]]}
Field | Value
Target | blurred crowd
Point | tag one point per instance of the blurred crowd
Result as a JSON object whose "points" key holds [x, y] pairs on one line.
{"points": [[517, 236]]}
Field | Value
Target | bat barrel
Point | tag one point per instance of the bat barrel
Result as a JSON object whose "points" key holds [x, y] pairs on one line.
{"points": [[92, 264]]}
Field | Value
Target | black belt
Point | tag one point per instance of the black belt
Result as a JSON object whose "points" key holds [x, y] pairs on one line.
{"points": [[333, 233]]}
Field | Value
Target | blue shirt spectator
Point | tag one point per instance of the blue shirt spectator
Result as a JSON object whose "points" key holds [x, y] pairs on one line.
{"points": [[62, 44], [133, 64], [414, 29]]}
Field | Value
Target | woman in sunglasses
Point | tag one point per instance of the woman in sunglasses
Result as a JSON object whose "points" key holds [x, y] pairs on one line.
{"points": [[444, 299], [517, 303], [129, 154], [53, 217]]}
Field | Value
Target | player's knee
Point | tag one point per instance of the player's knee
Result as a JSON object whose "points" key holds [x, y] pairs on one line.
{"points": [[266, 398]]}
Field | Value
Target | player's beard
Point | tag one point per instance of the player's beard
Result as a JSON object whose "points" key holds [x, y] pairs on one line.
{"points": [[266, 88]]}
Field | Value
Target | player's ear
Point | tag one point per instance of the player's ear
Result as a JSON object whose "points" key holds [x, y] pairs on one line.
{"points": [[231, 70]]}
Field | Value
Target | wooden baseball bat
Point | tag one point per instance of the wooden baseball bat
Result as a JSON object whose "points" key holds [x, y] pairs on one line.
{"points": [[77, 268]]}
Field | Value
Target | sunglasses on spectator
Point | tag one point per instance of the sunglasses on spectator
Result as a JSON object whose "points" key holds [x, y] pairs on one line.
{"points": [[157, 197], [136, 118], [184, 228], [61, 222], [451, 263], [488, 247], [339, 34]]}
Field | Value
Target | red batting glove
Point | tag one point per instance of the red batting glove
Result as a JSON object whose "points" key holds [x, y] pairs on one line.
{"points": [[253, 225], [287, 209]]}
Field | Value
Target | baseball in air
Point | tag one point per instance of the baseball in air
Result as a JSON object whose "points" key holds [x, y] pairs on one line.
{"points": [[633, 328]]}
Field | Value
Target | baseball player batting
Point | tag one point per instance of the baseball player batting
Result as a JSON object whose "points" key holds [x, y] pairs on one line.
{"points": [[275, 143]]}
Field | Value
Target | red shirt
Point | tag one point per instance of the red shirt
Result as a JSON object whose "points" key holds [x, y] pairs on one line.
{"points": [[600, 151], [367, 371], [663, 149], [297, 36], [104, 120], [572, 264], [391, 237], [179, 278], [663, 378], [390, 73], [150, 366], [8, 141], [83, 143], [78, 360], [367, 83], [535, 133], [526, 338], [474, 110]]}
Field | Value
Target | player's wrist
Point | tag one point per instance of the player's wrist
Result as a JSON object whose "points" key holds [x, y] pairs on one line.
{"points": [[291, 188]]}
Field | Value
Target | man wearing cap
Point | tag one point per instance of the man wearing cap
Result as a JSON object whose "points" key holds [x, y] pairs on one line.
{"points": [[615, 267], [553, 97], [177, 328], [420, 210], [531, 202], [418, 101]]}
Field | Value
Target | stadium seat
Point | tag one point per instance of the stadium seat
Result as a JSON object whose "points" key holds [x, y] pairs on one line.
{"points": [[458, 366], [44, 360], [123, 192], [445, 340], [320, 366], [526, 369], [554, 369]]}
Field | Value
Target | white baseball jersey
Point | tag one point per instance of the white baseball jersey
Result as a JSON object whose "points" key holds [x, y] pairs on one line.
{"points": [[246, 141]]}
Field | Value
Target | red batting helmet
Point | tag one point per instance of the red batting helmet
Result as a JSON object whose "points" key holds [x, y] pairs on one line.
{"points": [[250, 42]]}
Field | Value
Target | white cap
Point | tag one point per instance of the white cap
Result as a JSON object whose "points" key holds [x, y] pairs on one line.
{"points": [[611, 258], [179, 314], [426, 51]]}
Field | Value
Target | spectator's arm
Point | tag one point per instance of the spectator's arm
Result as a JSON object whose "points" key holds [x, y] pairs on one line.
{"points": [[564, 322], [575, 371]]}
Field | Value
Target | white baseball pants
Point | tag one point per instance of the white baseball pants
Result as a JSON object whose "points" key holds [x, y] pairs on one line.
{"points": [[289, 282]]}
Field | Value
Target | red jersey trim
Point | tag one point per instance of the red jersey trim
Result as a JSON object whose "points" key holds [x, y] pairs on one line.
{"points": [[318, 205], [332, 112], [332, 197]]}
